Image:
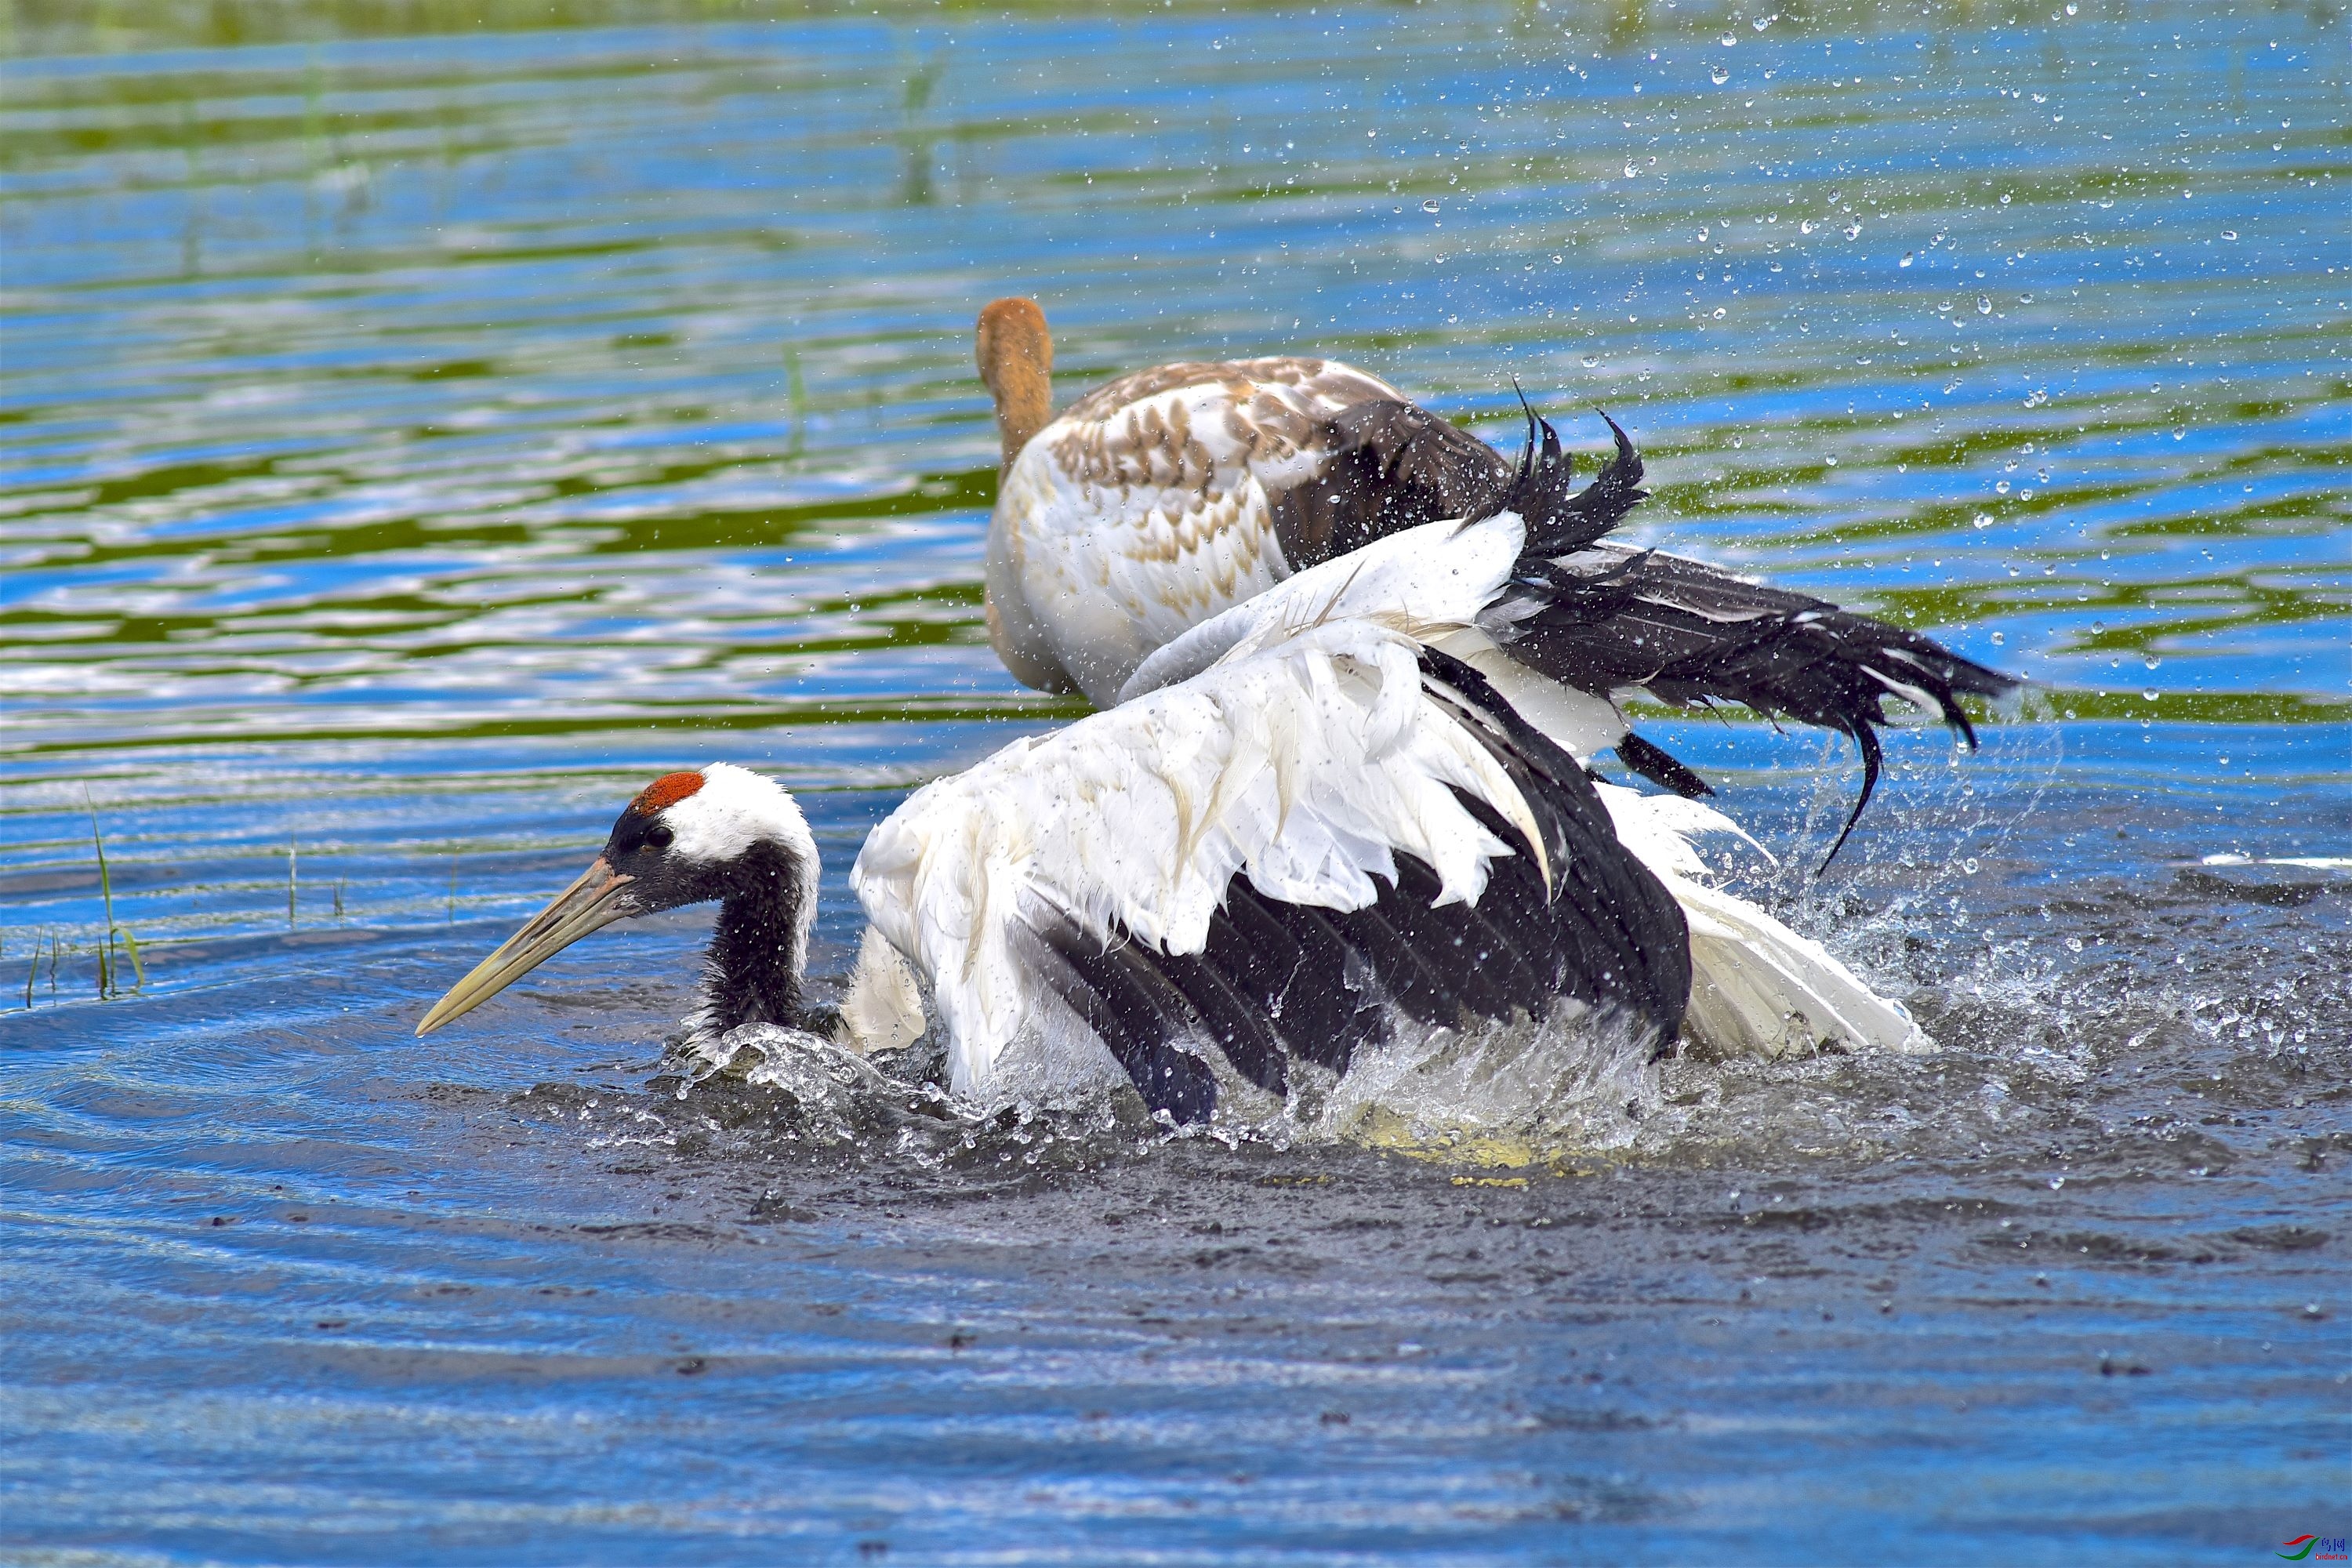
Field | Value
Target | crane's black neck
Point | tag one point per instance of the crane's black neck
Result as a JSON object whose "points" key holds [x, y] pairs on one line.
{"points": [[752, 972]]}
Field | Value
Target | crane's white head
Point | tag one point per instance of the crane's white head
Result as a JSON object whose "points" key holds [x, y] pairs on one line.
{"points": [[723, 833]]}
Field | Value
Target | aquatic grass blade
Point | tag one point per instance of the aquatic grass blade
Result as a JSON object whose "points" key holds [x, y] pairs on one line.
{"points": [[106, 896]]}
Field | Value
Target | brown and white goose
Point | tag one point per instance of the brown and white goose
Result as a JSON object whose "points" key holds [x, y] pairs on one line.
{"points": [[1161, 501]]}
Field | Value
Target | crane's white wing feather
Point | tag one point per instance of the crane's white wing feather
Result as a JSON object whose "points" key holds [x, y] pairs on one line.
{"points": [[1433, 583], [1425, 581], [1758, 988]]}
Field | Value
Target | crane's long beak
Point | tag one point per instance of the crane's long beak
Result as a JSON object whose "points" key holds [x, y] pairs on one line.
{"points": [[591, 903]]}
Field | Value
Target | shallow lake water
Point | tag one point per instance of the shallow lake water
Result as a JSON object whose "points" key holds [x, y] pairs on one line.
{"points": [[411, 443]]}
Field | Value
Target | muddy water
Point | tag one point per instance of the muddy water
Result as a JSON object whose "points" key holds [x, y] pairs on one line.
{"points": [[410, 443]]}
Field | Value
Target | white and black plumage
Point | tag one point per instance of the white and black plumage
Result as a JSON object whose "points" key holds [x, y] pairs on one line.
{"points": [[1158, 501], [1278, 860]]}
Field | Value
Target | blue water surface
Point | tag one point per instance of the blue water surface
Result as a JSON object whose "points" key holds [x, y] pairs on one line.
{"points": [[418, 428]]}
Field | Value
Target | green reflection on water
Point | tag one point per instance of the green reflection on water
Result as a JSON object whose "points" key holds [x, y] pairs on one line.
{"points": [[572, 382]]}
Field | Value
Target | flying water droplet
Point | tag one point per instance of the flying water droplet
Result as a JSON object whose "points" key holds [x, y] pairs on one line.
{"points": [[1430, 205], [1854, 230], [1720, 75], [1908, 257], [1984, 305]]}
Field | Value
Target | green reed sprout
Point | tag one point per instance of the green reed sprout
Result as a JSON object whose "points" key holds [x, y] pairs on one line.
{"points": [[109, 976], [106, 893]]}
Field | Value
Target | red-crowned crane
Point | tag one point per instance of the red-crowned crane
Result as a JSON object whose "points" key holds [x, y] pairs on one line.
{"points": [[1288, 857]]}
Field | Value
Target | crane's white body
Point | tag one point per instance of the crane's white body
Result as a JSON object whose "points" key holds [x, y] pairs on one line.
{"points": [[1307, 763], [1307, 769]]}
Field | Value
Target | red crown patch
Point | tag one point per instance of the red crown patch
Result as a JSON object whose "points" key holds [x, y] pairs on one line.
{"points": [[665, 792]]}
